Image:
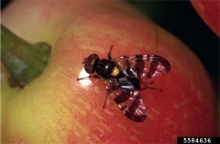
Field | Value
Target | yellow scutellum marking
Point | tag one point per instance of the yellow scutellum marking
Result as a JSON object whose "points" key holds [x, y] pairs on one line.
{"points": [[115, 71]]}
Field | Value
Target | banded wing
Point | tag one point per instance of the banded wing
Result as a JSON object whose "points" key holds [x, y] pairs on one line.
{"points": [[127, 98], [145, 66]]}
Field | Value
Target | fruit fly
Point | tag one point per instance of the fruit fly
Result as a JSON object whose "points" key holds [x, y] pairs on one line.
{"points": [[122, 78]]}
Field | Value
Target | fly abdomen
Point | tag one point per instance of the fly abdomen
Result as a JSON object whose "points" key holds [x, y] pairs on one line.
{"points": [[135, 82]]}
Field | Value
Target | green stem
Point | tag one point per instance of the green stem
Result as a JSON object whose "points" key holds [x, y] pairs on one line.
{"points": [[24, 61]]}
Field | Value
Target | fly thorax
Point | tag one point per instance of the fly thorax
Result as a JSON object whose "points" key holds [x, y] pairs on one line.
{"points": [[104, 68]]}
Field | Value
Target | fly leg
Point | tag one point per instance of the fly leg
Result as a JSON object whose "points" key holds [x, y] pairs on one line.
{"points": [[105, 99], [109, 53], [146, 86]]}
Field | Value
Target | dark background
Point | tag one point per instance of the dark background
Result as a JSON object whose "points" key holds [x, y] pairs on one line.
{"points": [[181, 19]]}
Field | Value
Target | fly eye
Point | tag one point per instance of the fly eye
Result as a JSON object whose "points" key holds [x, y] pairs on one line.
{"points": [[90, 63]]}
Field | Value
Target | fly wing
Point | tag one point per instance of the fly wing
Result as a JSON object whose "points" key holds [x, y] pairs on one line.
{"points": [[146, 66], [127, 98]]}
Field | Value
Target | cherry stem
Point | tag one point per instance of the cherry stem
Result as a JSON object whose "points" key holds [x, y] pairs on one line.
{"points": [[23, 61]]}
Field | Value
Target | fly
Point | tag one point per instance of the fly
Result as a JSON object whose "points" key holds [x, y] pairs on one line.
{"points": [[122, 77]]}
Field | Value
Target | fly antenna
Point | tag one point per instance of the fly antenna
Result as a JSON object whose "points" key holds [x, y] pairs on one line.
{"points": [[88, 77]]}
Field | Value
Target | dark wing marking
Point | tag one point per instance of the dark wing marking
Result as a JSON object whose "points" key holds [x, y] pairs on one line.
{"points": [[127, 98], [146, 66]]}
